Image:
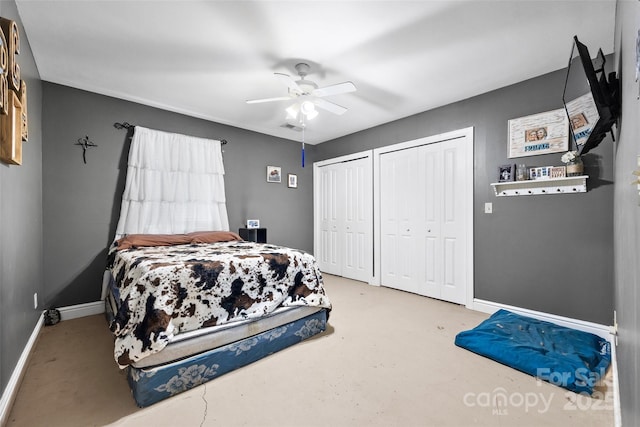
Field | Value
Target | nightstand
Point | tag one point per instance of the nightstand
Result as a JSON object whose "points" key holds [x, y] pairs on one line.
{"points": [[258, 235]]}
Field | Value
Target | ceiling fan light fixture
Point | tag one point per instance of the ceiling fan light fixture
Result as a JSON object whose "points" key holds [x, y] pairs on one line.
{"points": [[292, 111], [308, 108]]}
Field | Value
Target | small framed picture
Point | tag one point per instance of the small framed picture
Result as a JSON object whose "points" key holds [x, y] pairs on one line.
{"points": [[292, 180], [506, 173], [542, 172], [274, 174], [253, 223], [558, 172]]}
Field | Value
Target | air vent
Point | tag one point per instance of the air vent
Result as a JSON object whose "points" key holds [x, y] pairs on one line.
{"points": [[292, 127]]}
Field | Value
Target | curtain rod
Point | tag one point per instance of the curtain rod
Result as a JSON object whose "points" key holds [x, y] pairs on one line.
{"points": [[127, 126]]}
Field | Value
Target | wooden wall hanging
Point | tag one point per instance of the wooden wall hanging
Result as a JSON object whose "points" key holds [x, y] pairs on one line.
{"points": [[14, 127], [11, 134], [23, 115], [4, 63]]}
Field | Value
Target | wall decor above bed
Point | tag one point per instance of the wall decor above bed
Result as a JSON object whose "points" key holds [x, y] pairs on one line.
{"points": [[85, 143], [274, 174], [175, 184]]}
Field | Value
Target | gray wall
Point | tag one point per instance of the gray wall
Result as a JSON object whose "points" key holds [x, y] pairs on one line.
{"points": [[627, 215], [523, 250], [548, 253], [21, 222], [81, 202]]}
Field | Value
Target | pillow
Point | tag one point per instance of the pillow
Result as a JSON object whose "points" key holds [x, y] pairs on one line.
{"points": [[212, 236], [142, 240]]}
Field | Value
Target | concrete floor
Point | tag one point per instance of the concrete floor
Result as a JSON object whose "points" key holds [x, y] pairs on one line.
{"points": [[387, 359]]}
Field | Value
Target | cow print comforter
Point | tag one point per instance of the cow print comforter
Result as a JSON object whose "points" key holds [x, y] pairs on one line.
{"points": [[166, 290]]}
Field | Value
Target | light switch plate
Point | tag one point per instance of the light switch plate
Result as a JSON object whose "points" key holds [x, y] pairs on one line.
{"points": [[488, 207]]}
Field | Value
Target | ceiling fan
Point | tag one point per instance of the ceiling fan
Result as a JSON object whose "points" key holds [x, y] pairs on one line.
{"points": [[308, 94]]}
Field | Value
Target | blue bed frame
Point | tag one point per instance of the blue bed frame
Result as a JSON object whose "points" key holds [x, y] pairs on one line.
{"points": [[151, 385]]}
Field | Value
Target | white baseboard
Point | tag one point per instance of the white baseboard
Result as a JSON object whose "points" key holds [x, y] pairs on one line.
{"points": [[81, 310], [617, 409], [598, 329], [66, 313], [10, 392]]}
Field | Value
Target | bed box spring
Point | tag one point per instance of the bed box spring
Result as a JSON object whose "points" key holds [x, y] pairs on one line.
{"points": [[151, 385], [198, 341]]}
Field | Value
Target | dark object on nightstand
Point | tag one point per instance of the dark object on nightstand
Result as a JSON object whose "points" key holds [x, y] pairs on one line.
{"points": [[258, 235]]}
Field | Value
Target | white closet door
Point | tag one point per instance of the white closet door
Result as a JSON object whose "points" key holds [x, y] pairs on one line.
{"points": [[344, 217], [399, 175], [454, 237], [422, 231], [357, 219], [331, 199]]}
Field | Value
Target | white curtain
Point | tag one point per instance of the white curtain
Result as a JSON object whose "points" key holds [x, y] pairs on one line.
{"points": [[175, 185]]}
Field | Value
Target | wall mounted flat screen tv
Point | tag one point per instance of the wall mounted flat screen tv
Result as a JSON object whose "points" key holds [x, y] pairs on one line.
{"points": [[590, 100]]}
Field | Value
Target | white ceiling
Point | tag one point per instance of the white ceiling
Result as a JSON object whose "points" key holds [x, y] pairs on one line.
{"points": [[206, 58]]}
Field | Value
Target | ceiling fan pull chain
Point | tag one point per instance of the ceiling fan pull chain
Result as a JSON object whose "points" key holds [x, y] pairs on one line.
{"points": [[303, 126]]}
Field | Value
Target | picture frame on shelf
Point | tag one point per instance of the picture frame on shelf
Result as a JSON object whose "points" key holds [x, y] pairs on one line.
{"points": [[292, 181], [540, 172], [253, 223], [558, 172], [274, 174], [506, 173]]}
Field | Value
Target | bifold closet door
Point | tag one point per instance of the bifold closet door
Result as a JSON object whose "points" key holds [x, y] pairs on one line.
{"points": [[346, 219], [399, 178], [331, 195], [422, 234]]}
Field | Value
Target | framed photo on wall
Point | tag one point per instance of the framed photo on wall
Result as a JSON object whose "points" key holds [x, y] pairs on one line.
{"points": [[292, 180], [274, 174], [541, 133]]}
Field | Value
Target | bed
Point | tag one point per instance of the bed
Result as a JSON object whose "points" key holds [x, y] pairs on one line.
{"points": [[186, 299], [185, 309]]}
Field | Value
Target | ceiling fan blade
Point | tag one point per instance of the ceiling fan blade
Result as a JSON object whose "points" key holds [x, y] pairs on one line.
{"points": [[329, 106], [258, 101], [336, 89], [289, 82]]}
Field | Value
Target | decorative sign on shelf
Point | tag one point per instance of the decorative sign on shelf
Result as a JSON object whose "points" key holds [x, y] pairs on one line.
{"points": [[13, 96], [541, 133]]}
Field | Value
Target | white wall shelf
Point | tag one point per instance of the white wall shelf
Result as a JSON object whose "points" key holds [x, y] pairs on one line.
{"points": [[571, 184]]}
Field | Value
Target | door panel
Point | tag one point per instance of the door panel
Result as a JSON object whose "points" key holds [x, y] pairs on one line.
{"points": [[399, 173], [358, 219], [330, 253], [346, 219], [422, 233]]}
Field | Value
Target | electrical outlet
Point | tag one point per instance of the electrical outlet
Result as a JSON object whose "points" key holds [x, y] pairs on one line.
{"points": [[488, 207], [35, 301]]}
